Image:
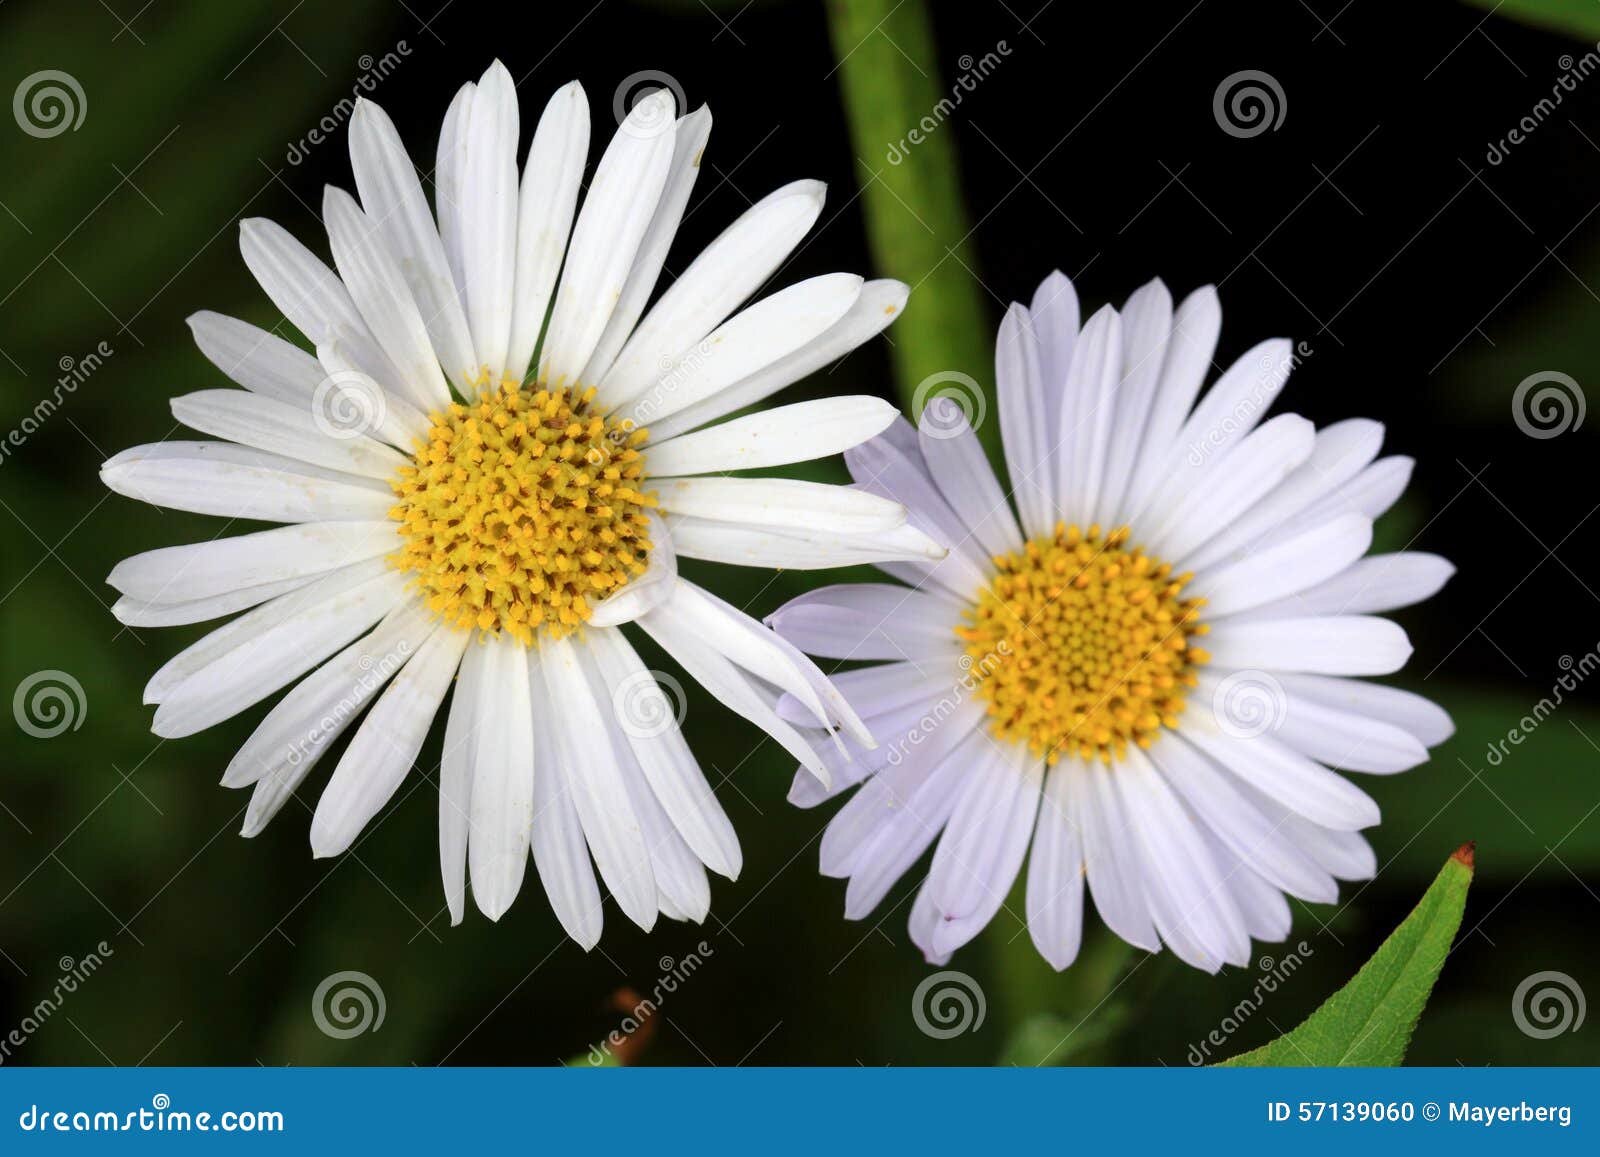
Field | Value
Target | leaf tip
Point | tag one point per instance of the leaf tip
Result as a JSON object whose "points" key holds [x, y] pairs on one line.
{"points": [[1466, 855]]}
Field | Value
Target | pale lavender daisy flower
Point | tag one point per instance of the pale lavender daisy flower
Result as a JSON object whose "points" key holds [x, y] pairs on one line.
{"points": [[1144, 677]]}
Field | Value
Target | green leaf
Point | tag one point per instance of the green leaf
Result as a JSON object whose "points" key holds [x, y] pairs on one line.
{"points": [[1370, 1020], [1565, 16], [916, 220]]}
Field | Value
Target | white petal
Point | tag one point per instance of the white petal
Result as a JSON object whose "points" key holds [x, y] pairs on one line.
{"points": [[942, 758], [869, 621], [1110, 863], [688, 146], [728, 684], [503, 775], [780, 503], [879, 304], [729, 270], [386, 744], [385, 302], [1056, 317], [1260, 462], [1019, 382], [489, 217], [1338, 455], [1055, 875], [757, 336], [1293, 565], [235, 482], [1300, 784], [790, 549], [456, 763], [1384, 582], [1229, 811], [1195, 328], [1236, 403], [351, 401], [256, 359], [956, 460], [795, 433], [311, 297], [287, 744], [595, 778], [547, 202], [621, 202], [393, 198], [449, 192], [1146, 326], [275, 642], [664, 757], [880, 689], [279, 428], [1322, 645], [1371, 492], [199, 570], [559, 850], [984, 843], [1088, 410], [177, 613], [1422, 718], [1348, 740], [1191, 905], [900, 817]]}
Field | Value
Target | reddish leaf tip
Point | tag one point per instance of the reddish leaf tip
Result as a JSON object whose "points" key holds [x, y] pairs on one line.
{"points": [[1467, 854]]}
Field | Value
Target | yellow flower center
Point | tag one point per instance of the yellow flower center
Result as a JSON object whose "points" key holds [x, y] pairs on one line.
{"points": [[1081, 645], [522, 511]]}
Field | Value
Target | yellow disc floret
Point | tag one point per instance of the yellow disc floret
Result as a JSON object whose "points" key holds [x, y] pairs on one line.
{"points": [[522, 511], [1081, 645]]}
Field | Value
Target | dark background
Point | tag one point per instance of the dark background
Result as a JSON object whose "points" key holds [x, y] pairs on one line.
{"points": [[1369, 224]]}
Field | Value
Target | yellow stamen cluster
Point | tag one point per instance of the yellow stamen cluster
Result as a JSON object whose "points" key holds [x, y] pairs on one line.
{"points": [[523, 510], [1081, 645]]}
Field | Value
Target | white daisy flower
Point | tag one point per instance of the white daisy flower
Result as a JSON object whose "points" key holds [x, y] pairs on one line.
{"points": [[1149, 676], [452, 514]]}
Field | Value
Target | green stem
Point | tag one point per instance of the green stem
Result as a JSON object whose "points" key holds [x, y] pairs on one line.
{"points": [[917, 223]]}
